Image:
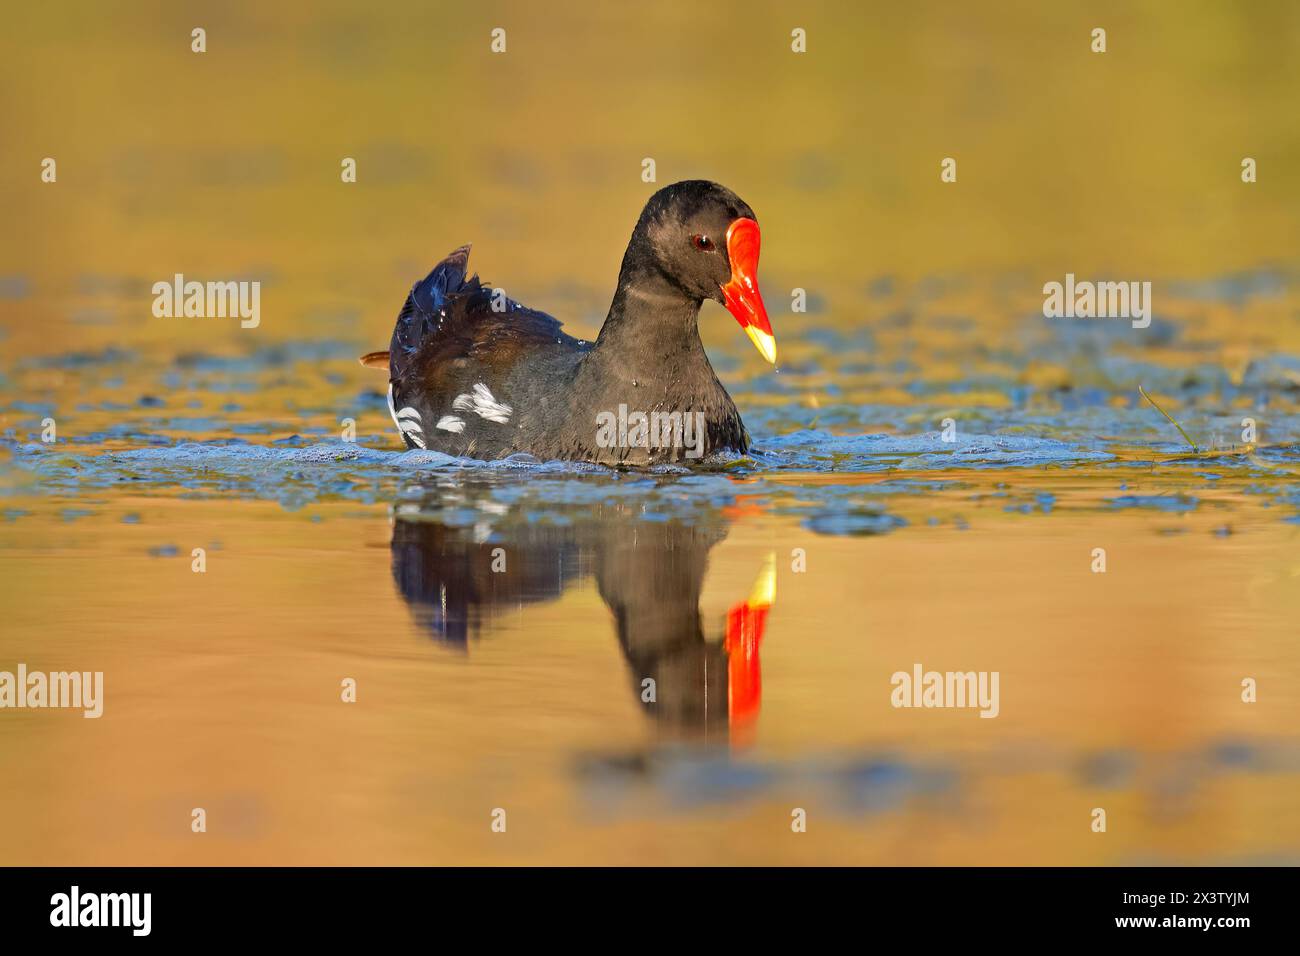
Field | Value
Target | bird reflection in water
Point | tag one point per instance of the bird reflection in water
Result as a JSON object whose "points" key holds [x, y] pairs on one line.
{"points": [[700, 678]]}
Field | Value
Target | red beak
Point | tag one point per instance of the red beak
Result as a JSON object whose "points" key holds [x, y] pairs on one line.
{"points": [[745, 624], [741, 293]]}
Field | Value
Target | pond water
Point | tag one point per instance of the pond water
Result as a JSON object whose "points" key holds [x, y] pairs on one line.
{"points": [[770, 598]]}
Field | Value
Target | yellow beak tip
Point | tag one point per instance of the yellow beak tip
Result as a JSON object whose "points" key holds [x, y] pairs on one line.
{"points": [[763, 594], [765, 343]]}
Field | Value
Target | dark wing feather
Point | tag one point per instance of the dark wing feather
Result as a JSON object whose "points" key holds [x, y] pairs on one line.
{"points": [[475, 340], [424, 306], [448, 316]]}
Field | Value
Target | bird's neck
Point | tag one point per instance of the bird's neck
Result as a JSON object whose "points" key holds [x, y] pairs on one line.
{"points": [[652, 329]]}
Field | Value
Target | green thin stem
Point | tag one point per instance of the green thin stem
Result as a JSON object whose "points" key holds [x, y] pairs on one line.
{"points": [[1195, 450]]}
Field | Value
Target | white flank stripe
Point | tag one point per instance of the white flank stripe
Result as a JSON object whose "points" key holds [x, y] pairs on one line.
{"points": [[412, 431], [392, 410], [450, 423], [408, 424], [484, 404]]}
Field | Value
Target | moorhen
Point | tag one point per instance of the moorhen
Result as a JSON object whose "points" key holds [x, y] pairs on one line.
{"points": [[476, 375]]}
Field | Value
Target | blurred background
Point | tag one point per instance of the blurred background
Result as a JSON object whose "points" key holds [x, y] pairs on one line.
{"points": [[1125, 163]]}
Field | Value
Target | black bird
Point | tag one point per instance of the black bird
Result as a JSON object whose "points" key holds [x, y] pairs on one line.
{"points": [[474, 374]]}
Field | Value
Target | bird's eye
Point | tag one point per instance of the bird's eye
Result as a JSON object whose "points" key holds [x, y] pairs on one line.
{"points": [[702, 242]]}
